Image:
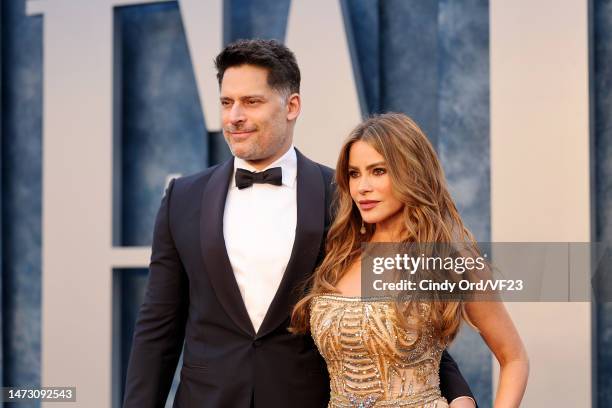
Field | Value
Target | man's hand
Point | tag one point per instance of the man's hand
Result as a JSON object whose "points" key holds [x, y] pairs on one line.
{"points": [[463, 402]]}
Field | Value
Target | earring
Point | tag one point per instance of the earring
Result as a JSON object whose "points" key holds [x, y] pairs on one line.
{"points": [[362, 231]]}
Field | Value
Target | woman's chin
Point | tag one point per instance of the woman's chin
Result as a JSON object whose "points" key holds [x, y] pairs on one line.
{"points": [[378, 218], [370, 219]]}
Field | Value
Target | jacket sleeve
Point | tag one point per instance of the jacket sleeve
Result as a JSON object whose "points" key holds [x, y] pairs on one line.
{"points": [[160, 327], [452, 383]]}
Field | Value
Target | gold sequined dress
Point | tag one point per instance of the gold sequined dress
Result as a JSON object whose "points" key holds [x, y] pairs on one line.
{"points": [[371, 359]]}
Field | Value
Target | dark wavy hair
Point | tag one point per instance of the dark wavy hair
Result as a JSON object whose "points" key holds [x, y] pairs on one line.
{"points": [[283, 70]]}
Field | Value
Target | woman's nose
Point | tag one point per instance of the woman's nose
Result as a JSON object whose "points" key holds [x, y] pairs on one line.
{"points": [[364, 185]]}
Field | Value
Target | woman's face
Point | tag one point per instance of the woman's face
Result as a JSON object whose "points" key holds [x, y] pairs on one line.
{"points": [[370, 185]]}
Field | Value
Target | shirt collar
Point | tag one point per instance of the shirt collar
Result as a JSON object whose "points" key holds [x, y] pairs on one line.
{"points": [[288, 162]]}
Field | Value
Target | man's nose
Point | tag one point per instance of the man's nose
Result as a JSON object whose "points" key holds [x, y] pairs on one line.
{"points": [[236, 114]]}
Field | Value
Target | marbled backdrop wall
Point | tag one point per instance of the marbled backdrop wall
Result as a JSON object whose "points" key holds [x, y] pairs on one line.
{"points": [[21, 136], [427, 59], [602, 195]]}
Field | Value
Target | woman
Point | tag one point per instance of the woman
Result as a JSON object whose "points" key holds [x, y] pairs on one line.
{"points": [[391, 188]]}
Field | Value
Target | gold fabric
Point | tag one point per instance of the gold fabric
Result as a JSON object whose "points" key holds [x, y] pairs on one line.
{"points": [[372, 360]]}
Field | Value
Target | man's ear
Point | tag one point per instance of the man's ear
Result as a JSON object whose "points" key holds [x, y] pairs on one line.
{"points": [[294, 105]]}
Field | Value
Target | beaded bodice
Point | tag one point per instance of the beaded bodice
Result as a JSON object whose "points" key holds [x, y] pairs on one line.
{"points": [[372, 360]]}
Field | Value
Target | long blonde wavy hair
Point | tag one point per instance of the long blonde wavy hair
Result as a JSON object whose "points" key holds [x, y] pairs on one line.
{"points": [[429, 213]]}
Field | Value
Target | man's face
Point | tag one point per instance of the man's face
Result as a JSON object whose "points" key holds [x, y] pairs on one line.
{"points": [[257, 120]]}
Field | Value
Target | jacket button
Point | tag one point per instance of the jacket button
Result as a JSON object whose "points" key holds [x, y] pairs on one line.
{"points": [[256, 343]]}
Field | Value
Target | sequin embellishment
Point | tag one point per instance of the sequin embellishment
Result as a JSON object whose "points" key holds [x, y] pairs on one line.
{"points": [[373, 361]]}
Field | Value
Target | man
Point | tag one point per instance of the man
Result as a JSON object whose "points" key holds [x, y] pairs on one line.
{"points": [[230, 247]]}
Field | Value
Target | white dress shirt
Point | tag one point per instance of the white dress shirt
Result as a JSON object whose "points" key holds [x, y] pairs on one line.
{"points": [[259, 229]]}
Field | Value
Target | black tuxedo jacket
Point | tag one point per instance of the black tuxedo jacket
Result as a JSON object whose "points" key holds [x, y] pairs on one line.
{"points": [[192, 297]]}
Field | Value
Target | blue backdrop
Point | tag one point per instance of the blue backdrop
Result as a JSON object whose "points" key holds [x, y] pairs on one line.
{"points": [[601, 87]]}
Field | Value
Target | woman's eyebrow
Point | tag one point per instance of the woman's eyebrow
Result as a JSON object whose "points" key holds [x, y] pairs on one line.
{"points": [[368, 167]]}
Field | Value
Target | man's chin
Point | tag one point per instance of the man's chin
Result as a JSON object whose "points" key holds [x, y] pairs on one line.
{"points": [[242, 150], [245, 154]]}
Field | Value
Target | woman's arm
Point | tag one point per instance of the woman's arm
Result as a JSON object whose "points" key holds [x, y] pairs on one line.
{"points": [[498, 331]]}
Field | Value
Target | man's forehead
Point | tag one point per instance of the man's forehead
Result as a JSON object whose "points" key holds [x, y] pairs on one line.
{"points": [[245, 76]]}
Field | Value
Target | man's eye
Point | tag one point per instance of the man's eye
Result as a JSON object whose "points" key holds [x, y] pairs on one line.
{"points": [[379, 171], [252, 102], [225, 103]]}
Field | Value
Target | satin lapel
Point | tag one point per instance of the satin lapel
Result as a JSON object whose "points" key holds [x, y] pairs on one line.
{"points": [[214, 253], [308, 236]]}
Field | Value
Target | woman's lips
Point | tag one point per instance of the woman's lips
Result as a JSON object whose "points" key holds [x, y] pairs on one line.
{"points": [[366, 205]]}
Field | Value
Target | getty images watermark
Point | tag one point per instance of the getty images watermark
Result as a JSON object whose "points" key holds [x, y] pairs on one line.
{"points": [[487, 271]]}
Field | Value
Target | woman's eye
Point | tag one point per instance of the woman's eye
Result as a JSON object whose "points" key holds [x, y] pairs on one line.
{"points": [[379, 171], [353, 174]]}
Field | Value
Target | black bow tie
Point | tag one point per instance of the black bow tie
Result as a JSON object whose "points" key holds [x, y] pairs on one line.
{"points": [[245, 178]]}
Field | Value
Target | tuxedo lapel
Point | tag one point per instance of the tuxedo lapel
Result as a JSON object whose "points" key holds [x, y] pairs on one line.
{"points": [[308, 236], [214, 252]]}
